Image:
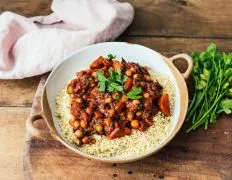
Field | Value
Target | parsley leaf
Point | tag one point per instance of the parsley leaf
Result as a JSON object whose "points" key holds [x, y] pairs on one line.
{"points": [[113, 83], [102, 81], [226, 105], [111, 57], [135, 93], [113, 75], [114, 87]]}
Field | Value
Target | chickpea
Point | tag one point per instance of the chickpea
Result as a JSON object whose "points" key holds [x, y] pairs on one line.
{"points": [[99, 128], [92, 84], [111, 112], [130, 116], [108, 100], [85, 140], [78, 100], [135, 76], [139, 113], [94, 74], [71, 122], [133, 70], [135, 124], [76, 124], [77, 141], [107, 121], [148, 78], [93, 141], [146, 95], [129, 73], [124, 98], [70, 90], [136, 102], [79, 133], [83, 124]]}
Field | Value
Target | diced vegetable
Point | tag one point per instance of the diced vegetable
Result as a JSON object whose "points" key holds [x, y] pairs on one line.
{"points": [[164, 104]]}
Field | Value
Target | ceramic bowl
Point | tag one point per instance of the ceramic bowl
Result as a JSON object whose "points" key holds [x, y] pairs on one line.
{"points": [[82, 58]]}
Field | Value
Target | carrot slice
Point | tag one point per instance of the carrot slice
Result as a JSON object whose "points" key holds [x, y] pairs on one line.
{"points": [[164, 105], [128, 84]]}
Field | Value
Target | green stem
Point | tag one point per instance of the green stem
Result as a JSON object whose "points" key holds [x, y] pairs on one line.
{"points": [[201, 120]]}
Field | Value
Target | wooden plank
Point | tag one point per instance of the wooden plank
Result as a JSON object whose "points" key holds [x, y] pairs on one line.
{"points": [[166, 18], [12, 123], [182, 18], [172, 46], [26, 7], [18, 92]]}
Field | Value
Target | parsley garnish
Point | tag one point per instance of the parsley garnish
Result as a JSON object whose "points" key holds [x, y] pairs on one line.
{"points": [[135, 93], [110, 57], [101, 81], [113, 83]]}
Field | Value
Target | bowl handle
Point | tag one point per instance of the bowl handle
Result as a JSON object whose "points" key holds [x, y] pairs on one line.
{"points": [[35, 131], [189, 61]]}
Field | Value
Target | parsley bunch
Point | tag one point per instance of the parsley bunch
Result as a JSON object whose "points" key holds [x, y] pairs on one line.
{"points": [[212, 73]]}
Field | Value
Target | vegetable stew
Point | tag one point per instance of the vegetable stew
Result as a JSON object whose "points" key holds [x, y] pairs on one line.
{"points": [[113, 97]]}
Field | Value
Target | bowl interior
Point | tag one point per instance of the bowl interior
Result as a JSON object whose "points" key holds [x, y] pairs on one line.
{"points": [[82, 59]]}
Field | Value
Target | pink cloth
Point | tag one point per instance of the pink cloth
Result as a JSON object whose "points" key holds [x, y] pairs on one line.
{"points": [[33, 46]]}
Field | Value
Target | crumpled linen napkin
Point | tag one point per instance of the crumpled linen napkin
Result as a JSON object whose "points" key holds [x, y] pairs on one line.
{"points": [[33, 46]]}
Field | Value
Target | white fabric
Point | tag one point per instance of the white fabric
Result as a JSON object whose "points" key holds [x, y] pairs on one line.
{"points": [[33, 46]]}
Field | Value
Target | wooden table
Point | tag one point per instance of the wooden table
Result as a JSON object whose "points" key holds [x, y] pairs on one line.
{"points": [[168, 26]]}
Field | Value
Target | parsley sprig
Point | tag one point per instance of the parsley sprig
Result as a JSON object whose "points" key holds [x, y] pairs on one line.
{"points": [[135, 93], [111, 57], [114, 83]]}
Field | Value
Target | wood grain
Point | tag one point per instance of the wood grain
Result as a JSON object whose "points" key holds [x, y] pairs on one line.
{"points": [[182, 18], [12, 123], [26, 7], [166, 18], [172, 46], [18, 92]]}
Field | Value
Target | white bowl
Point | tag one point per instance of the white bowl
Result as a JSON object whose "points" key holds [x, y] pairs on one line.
{"points": [[130, 52]]}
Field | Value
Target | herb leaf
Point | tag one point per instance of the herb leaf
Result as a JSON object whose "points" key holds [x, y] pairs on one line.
{"points": [[102, 81], [135, 93], [226, 105], [111, 57], [113, 83], [114, 87]]}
